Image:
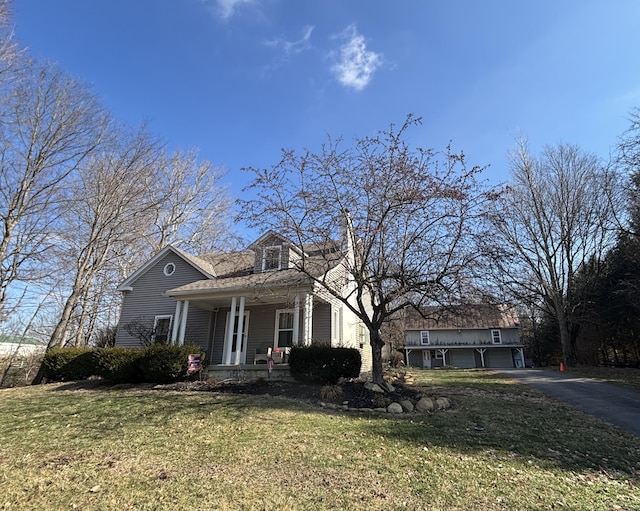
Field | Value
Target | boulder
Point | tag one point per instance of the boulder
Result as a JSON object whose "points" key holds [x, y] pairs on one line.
{"points": [[425, 405], [373, 387], [395, 408], [407, 405], [442, 403]]}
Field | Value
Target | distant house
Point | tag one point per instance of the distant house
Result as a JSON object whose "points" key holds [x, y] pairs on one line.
{"points": [[239, 306], [467, 336]]}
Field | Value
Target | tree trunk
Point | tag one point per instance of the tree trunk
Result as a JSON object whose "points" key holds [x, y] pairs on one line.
{"points": [[568, 353], [376, 356]]}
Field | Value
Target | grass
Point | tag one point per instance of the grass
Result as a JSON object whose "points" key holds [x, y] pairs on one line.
{"points": [[502, 446]]}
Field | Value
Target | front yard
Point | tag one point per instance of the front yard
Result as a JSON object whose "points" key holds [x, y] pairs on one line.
{"points": [[501, 446]]}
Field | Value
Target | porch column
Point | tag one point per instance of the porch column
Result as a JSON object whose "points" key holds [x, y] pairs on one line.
{"points": [[176, 322], [228, 342], [406, 356], [481, 351], [308, 319], [239, 338], [444, 356], [183, 322], [296, 319], [521, 351]]}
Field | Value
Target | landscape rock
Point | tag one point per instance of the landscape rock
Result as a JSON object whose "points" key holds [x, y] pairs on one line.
{"points": [[395, 408], [373, 387], [442, 403], [407, 405], [425, 405], [388, 387]]}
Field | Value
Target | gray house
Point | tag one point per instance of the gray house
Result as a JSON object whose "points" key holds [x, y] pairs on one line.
{"points": [[474, 335], [240, 306]]}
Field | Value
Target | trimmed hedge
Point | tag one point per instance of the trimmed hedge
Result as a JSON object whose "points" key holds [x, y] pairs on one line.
{"points": [[324, 364], [160, 363], [66, 364], [119, 365], [166, 363]]}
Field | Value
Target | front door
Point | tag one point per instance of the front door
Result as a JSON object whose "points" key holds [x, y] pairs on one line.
{"points": [[426, 359]]}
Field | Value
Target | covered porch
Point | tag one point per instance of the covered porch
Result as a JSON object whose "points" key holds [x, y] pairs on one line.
{"points": [[250, 331]]}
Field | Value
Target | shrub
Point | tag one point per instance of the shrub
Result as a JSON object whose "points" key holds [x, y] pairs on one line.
{"points": [[119, 365], [396, 359], [166, 363], [65, 364], [324, 364]]}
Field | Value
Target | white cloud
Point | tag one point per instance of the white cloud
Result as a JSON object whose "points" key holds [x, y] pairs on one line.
{"points": [[293, 47], [356, 64], [227, 8]]}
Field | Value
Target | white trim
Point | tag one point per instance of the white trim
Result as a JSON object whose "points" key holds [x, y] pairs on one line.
{"points": [[174, 330], [155, 325], [169, 269], [127, 285], [296, 320], [277, 328], [272, 248], [496, 339], [228, 334], [241, 336], [422, 338], [307, 323], [183, 322]]}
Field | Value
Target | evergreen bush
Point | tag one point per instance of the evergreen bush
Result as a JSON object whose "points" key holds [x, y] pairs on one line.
{"points": [[324, 364], [68, 364]]}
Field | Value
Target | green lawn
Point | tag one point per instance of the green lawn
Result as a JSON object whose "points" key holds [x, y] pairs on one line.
{"points": [[502, 446]]}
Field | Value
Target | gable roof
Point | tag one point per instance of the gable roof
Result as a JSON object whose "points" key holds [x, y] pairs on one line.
{"points": [[198, 263], [462, 317]]}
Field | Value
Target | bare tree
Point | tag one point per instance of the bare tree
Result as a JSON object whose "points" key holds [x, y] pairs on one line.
{"points": [[556, 214], [106, 210], [194, 208], [51, 124], [411, 215]]}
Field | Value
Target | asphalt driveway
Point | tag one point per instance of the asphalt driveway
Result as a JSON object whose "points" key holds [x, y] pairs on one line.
{"points": [[613, 404]]}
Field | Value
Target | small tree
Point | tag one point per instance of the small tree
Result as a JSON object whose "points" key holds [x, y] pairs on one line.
{"points": [[410, 217]]}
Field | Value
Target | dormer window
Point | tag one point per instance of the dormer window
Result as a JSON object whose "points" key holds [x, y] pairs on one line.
{"points": [[271, 258]]}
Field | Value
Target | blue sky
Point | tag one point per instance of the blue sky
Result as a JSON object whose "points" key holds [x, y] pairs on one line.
{"points": [[241, 79]]}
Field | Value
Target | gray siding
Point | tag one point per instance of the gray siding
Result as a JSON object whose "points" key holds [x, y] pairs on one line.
{"points": [[322, 323], [145, 301], [260, 333], [480, 337]]}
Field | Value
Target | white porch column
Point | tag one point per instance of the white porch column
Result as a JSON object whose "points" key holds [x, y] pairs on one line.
{"points": [[228, 342], [183, 322], [444, 356], [481, 351], [296, 319], [176, 322], [308, 319], [239, 338]]}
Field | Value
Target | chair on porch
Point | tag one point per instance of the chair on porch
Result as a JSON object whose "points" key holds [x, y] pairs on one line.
{"points": [[261, 356]]}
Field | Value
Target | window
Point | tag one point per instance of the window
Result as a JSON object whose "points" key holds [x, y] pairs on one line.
{"points": [[424, 337], [271, 258], [162, 329], [169, 269], [336, 324], [495, 337], [284, 329]]}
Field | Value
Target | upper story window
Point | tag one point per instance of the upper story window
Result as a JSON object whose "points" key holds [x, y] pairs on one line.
{"points": [[169, 269], [495, 337], [424, 337], [271, 258]]}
